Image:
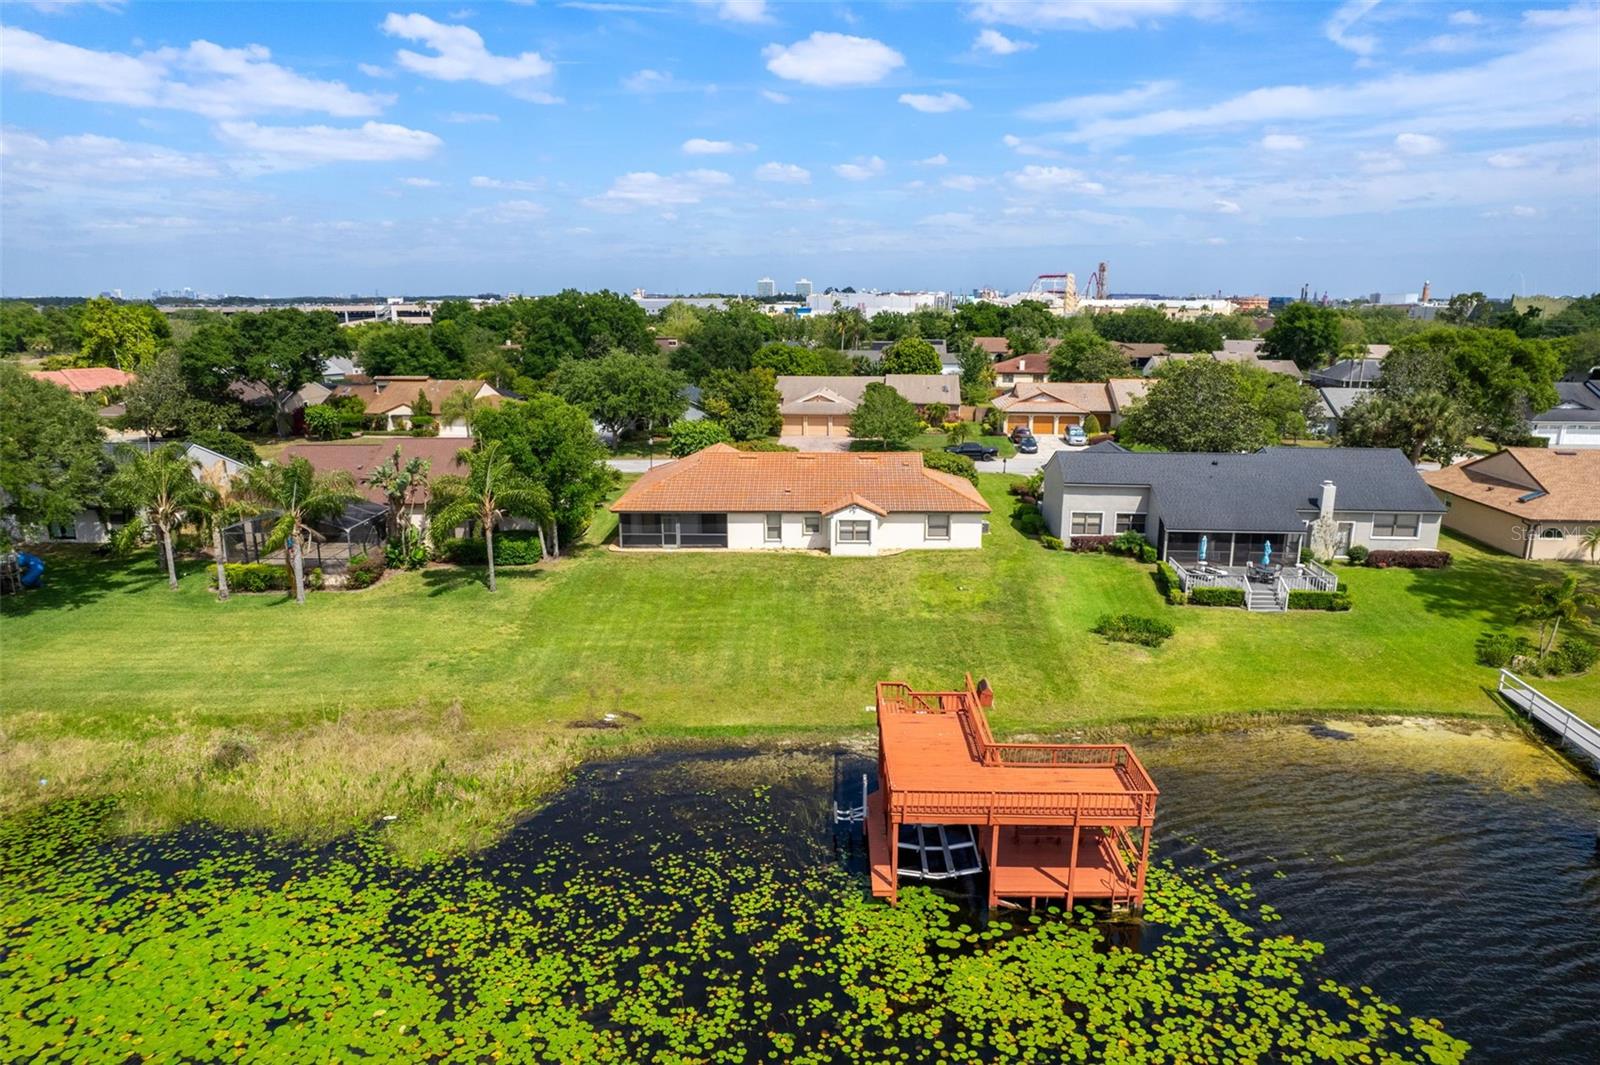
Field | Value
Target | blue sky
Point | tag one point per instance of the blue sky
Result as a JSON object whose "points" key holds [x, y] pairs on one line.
{"points": [[418, 148]]}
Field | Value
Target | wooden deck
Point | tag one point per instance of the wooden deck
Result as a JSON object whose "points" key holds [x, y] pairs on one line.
{"points": [[1054, 821]]}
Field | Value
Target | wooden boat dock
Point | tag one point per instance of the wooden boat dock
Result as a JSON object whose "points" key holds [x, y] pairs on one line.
{"points": [[1053, 821]]}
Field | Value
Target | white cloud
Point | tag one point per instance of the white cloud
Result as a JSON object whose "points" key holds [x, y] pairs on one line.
{"points": [[1465, 18], [372, 70], [996, 43], [469, 117], [92, 158], [203, 78], [647, 81], [1283, 142], [833, 60], [519, 210], [1337, 28], [1418, 144], [750, 12], [1521, 211], [1053, 179], [420, 182], [1216, 241], [482, 182], [701, 146], [929, 104], [864, 168], [1089, 14], [1507, 160], [1226, 207], [1028, 147], [1108, 103], [1452, 43], [783, 173], [964, 182], [460, 55], [1583, 14], [934, 160], [648, 189], [293, 147], [775, 97]]}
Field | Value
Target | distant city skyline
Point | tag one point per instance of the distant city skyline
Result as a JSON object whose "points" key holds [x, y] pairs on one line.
{"points": [[693, 147]]}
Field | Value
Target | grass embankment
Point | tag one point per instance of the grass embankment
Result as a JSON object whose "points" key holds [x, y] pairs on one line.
{"points": [[427, 695]]}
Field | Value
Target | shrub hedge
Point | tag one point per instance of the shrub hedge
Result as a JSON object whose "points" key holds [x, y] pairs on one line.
{"points": [[1132, 628], [1357, 555], [1216, 596], [1499, 648], [1167, 584], [945, 462], [1408, 559], [363, 572], [1053, 543], [1307, 599], [1091, 543], [255, 577], [511, 548], [761, 445]]}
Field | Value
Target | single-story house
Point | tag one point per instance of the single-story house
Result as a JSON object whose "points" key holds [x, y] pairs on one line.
{"points": [[1050, 408], [1022, 370], [1279, 366], [1347, 373], [1238, 503], [1125, 392], [338, 369], [85, 381], [1575, 420], [994, 347], [1141, 354], [1531, 502], [1332, 405], [845, 503], [389, 399], [823, 405], [1243, 347], [359, 458], [289, 413]]}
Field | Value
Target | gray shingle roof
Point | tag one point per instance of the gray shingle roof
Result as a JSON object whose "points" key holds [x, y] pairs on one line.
{"points": [[1261, 491], [1348, 372], [1340, 400], [1579, 402]]}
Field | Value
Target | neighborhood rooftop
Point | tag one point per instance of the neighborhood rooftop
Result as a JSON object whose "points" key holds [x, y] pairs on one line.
{"points": [[1534, 483], [723, 479], [1272, 488]]}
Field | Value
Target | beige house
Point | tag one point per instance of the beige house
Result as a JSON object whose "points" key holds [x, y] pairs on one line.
{"points": [[390, 399], [1052, 407], [844, 503], [1022, 370], [1526, 501], [822, 406]]}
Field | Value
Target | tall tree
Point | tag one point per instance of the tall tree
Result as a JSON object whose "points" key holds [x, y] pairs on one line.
{"points": [[911, 355], [578, 325], [621, 390], [52, 455], [1497, 376], [1197, 405], [886, 416], [117, 334], [1306, 333], [726, 340], [1084, 356], [789, 360], [745, 403], [493, 488], [977, 374], [159, 402], [160, 484], [301, 495], [553, 442], [400, 480], [285, 348], [1427, 424], [221, 504], [1136, 325]]}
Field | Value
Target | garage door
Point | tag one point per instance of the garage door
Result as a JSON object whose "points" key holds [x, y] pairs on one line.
{"points": [[792, 425], [839, 426], [1044, 423], [1016, 421]]}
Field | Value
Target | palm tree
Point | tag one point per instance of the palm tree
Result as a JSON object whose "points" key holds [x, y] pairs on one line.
{"points": [[160, 484], [1591, 542], [1554, 603], [300, 495], [221, 505], [459, 404], [398, 479], [493, 488]]}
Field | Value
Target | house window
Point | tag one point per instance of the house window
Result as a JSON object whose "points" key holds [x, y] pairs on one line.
{"points": [[1550, 532], [1130, 523], [812, 524], [774, 527], [1086, 524], [938, 526], [1395, 526], [855, 532], [68, 531]]}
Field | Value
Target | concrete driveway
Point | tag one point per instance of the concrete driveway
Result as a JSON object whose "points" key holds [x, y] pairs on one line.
{"points": [[1028, 465], [816, 443]]}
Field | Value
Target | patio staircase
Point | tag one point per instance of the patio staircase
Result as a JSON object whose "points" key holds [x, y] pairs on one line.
{"points": [[1262, 597]]}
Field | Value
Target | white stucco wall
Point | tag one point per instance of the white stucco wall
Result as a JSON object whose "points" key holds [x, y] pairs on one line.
{"points": [[748, 532], [1094, 499], [1427, 538], [897, 532]]}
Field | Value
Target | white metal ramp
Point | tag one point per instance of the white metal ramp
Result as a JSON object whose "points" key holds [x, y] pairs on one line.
{"points": [[938, 852]]}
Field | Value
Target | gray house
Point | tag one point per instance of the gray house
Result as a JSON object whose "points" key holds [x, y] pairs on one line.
{"points": [[1575, 420], [1233, 518]]}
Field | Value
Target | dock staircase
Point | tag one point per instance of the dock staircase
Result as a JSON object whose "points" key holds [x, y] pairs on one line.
{"points": [[1263, 597]]}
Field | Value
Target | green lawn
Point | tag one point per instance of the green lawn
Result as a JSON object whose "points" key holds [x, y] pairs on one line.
{"points": [[939, 441], [708, 642]]}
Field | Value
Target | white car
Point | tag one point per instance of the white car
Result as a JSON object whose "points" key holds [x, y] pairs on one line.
{"points": [[1076, 437]]}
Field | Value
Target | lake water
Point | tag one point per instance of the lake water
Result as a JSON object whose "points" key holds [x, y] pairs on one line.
{"points": [[698, 902]]}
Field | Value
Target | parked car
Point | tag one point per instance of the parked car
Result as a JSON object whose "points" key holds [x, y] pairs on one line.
{"points": [[1019, 432], [973, 450], [1077, 437], [1026, 444]]}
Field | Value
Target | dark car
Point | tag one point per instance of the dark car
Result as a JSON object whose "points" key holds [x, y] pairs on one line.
{"points": [[1026, 444], [973, 450], [1019, 432]]}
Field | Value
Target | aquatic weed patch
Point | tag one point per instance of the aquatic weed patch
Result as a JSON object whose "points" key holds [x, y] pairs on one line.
{"points": [[691, 924]]}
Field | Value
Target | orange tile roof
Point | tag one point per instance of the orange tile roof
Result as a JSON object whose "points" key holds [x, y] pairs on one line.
{"points": [[722, 479], [1566, 479], [86, 380]]}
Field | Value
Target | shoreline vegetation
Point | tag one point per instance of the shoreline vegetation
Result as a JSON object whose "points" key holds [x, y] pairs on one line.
{"points": [[457, 712]]}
